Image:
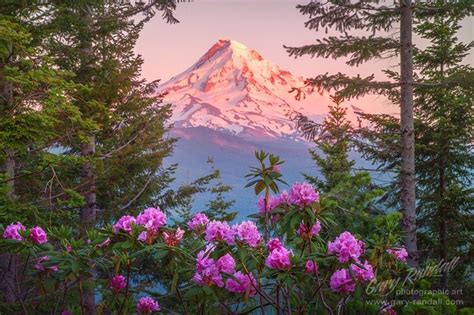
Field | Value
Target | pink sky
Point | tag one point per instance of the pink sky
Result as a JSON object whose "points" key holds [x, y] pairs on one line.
{"points": [[264, 25]]}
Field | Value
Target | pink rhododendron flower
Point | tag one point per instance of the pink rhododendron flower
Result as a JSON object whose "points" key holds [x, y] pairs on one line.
{"points": [[388, 309], [247, 232], [40, 267], [361, 274], [173, 238], [226, 264], [399, 254], [104, 243], [198, 222], [311, 267], [209, 276], [283, 198], [151, 219], [242, 283], [38, 235], [146, 305], [118, 283], [276, 168], [279, 258], [341, 281], [208, 272], [303, 194], [272, 204], [273, 244], [148, 236], [66, 312], [12, 231], [306, 233], [219, 231], [125, 224], [346, 247]]}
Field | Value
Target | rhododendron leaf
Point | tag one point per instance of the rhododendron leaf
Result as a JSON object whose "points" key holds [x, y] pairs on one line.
{"points": [[252, 183], [295, 221], [160, 253], [259, 187], [193, 292], [274, 187], [174, 282], [255, 215]]}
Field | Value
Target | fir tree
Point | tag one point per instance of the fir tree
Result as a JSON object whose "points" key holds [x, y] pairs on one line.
{"points": [[445, 124], [122, 144], [378, 20], [33, 108], [348, 192], [443, 133], [332, 138]]}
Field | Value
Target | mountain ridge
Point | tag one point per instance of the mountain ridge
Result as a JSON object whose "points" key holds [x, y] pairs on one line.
{"points": [[233, 89]]}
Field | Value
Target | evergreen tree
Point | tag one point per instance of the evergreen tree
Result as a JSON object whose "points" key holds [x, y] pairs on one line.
{"points": [[370, 16], [445, 160], [332, 138], [121, 145], [218, 208], [350, 193], [34, 114], [443, 133], [380, 21]]}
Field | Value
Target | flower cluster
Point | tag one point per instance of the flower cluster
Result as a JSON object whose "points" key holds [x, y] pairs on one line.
{"points": [[399, 254], [219, 231], [39, 265], [198, 222], [279, 257], [308, 233], [311, 267], [12, 232], [341, 281], [272, 203], [302, 195], [242, 283], [274, 243], [346, 247], [37, 235], [146, 305], [173, 238], [247, 233], [209, 272], [152, 219], [125, 224], [118, 283], [364, 273]]}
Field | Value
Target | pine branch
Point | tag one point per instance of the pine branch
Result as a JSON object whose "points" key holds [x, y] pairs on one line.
{"points": [[344, 15], [351, 87], [359, 49]]}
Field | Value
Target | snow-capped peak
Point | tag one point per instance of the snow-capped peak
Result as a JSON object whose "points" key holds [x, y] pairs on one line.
{"points": [[234, 89]]}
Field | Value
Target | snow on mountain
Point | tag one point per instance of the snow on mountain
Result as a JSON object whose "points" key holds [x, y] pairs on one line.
{"points": [[232, 88]]}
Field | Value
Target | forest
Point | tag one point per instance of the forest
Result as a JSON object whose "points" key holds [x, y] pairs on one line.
{"points": [[93, 221]]}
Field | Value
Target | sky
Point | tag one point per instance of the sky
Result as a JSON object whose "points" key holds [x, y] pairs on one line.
{"points": [[264, 25]]}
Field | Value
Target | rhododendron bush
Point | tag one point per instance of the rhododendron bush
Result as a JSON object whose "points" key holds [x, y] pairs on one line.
{"points": [[289, 257]]}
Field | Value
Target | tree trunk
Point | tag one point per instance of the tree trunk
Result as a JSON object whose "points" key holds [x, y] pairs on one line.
{"points": [[407, 176], [88, 211], [88, 178], [443, 227], [8, 262]]}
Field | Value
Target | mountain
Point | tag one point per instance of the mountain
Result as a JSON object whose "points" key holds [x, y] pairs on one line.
{"points": [[232, 88], [229, 104]]}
